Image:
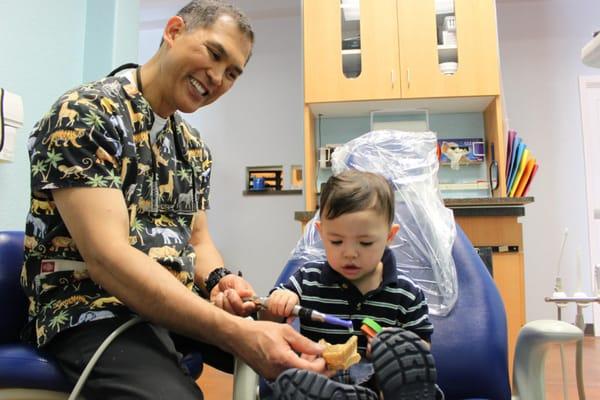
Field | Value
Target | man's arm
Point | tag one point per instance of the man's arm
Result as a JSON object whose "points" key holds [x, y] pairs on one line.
{"points": [[97, 220], [231, 289], [207, 256]]}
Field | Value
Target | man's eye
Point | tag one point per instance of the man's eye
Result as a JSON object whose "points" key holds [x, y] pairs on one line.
{"points": [[232, 76], [215, 55]]}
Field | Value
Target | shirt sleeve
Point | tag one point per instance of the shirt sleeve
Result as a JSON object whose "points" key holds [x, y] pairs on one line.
{"points": [[75, 145], [294, 283], [414, 315]]}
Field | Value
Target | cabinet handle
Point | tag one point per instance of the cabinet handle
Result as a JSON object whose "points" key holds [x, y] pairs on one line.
{"points": [[408, 77], [392, 78]]}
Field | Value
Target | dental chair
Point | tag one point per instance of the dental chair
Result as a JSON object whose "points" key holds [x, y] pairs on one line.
{"points": [[470, 344]]}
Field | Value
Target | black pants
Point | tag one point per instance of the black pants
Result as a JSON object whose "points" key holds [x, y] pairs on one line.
{"points": [[137, 364]]}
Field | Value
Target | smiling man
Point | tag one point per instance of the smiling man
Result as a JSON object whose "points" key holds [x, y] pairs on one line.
{"points": [[119, 186]]}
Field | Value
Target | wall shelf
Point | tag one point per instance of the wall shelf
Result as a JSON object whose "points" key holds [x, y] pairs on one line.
{"points": [[271, 192], [442, 105]]}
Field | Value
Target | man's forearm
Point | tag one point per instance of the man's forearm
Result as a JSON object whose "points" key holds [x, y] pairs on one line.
{"points": [[150, 290], [207, 259]]}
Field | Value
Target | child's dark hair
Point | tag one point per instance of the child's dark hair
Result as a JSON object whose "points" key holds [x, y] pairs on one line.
{"points": [[353, 191]]}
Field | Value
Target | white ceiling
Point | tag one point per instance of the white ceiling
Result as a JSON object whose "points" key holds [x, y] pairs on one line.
{"points": [[153, 13]]}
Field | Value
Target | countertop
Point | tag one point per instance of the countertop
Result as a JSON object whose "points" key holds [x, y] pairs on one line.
{"points": [[484, 206]]}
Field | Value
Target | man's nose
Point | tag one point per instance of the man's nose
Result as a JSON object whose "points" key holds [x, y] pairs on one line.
{"points": [[215, 76]]}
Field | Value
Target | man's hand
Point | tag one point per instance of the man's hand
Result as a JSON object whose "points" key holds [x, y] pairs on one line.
{"points": [[271, 348], [228, 295]]}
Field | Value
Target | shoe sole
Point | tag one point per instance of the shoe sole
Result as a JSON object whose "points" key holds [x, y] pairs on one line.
{"points": [[300, 384], [404, 367]]}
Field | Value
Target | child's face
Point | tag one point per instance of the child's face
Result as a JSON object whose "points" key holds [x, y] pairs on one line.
{"points": [[355, 243]]}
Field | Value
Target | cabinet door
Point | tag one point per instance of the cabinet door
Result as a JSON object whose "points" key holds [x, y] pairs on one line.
{"points": [[510, 280], [324, 78], [477, 50]]}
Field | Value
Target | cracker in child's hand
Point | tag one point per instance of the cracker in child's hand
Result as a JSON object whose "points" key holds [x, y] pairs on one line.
{"points": [[340, 356]]}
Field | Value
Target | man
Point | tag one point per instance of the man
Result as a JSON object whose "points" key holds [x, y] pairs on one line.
{"points": [[117, 225]]}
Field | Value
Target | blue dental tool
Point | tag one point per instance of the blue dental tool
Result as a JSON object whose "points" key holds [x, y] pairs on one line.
{"points": [[305, 313]]}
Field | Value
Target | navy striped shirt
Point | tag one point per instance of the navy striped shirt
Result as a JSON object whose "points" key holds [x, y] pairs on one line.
{"points": [[398, 301]]}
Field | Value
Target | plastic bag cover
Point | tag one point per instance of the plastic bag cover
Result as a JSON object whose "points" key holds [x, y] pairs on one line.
{"points": [[423, 245]]}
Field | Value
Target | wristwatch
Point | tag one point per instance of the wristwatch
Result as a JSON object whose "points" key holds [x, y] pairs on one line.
{"points": [[214, 277]]}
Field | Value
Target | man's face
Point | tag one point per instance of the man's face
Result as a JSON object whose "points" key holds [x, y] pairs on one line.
{"points": [[201, 65]]}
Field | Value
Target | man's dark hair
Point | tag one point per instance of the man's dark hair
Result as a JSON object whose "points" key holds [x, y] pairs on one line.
{"points": [[204, 13], [353, 191]]}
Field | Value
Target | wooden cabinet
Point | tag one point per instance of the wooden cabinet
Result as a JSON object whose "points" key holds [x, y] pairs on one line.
{"points": [[324, 78], [399, 51], [399, 69], [478, 66], [508, 268]]}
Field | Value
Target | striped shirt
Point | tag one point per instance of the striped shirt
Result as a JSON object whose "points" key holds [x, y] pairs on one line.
{"points": [[398, 302]]}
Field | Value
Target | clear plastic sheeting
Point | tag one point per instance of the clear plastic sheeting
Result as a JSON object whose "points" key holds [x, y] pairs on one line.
{"points": [[423, 246]]}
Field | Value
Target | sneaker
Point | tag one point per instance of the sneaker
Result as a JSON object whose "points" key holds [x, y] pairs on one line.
{"points": [[301, 384], [404, 367]]}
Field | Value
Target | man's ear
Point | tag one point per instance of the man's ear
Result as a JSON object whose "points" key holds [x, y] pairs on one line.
{"points": [[175, 26], [393, 231]]}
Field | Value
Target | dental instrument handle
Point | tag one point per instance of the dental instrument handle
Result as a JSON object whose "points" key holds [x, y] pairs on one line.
{"points": [[307, 313], [310, 314]]}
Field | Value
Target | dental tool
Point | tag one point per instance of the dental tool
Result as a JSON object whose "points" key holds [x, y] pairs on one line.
{"points": [[305, 313]]}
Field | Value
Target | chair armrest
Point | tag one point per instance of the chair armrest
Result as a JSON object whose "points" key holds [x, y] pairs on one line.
{"points": [[533, 343], [245, 382]]}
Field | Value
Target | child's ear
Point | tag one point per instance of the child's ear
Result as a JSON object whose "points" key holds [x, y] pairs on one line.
{"points": [[393, 230], [318, 226]]}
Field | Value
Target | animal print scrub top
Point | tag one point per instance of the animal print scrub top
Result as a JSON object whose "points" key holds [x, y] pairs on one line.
{"points": [[97, 136]]}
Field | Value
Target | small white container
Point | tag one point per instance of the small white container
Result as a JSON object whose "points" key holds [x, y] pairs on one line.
{"points": [[449, 67]]}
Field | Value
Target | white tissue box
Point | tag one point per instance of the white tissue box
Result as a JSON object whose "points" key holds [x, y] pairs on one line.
{"points": [[11, 119]]}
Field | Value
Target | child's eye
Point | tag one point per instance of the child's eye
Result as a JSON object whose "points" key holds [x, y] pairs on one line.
{"points": [[366, 243], [336, 242]]}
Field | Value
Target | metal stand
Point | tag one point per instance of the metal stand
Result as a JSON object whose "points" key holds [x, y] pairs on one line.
{"points": [[581, 303]]}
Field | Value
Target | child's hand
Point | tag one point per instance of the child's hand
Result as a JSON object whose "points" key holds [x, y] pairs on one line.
{"points": [[281, 303]]}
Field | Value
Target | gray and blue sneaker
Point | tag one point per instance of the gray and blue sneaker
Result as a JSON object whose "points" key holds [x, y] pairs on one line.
{"points": [[404, 367], [297, 384]]}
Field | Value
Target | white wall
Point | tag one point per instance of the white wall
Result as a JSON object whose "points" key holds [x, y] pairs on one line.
{"points": [[540, 45], [259, 122]]}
